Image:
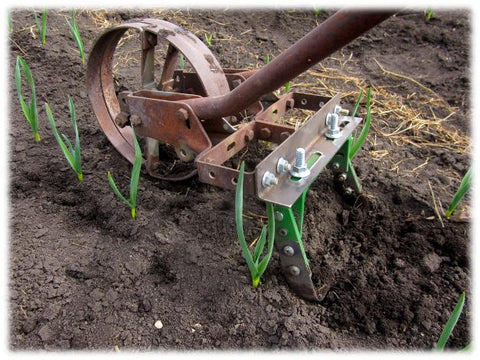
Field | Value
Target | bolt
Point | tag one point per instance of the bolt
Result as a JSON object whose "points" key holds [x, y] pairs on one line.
{"points": [[283, 166], [265, 133], [294, 270], [342, 177], [288, 250], [278, 216], [135, 120], [348, 191], [300, 169], [333, 126], [284, 135], [300, 157], [283, 232], [340, 111], [335, 166], [182, 114], [249, 135], [290, 103], [269, 179], [122, 119]]}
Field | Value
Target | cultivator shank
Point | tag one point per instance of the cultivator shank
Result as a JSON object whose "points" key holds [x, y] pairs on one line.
{"points": [[209, 116]]}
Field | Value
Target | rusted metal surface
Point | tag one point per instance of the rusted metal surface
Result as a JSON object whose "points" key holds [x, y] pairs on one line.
{"points": [[289, 101], [189, 82], [331, 35], [212, 168], [169, 122], [158, 117], [211, 163], [100, 76], [192, 111]]}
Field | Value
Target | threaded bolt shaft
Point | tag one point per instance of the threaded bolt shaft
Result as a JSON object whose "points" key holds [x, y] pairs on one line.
{"points": [[300, 158], [300, 168]]}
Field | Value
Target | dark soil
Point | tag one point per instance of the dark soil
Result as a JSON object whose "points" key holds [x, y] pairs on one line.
{"points": [[83, 275]]}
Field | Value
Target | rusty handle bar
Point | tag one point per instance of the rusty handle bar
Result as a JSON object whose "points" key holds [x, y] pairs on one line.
{"points": [[334, 33]]}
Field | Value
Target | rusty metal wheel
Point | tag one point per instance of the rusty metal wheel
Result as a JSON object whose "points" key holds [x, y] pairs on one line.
{"points": [[153, 33]]}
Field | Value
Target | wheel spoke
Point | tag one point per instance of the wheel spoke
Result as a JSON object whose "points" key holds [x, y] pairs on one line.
{"points": [[171, 61], [148, 60]]}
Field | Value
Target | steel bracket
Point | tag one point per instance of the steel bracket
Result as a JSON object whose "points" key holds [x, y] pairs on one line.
{"points": [[318, 149]]}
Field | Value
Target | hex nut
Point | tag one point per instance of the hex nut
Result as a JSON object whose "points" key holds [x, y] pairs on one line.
{"points": [[122, 119], [299, 168], [182, 114], [283, 166], [135, 120], [269, 179], [333, 128]]}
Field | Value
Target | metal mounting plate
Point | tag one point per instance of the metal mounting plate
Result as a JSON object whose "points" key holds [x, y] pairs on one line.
{"points": [[311, 137]]}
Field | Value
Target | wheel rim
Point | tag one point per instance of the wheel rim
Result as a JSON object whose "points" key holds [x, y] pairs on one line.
{"points": [[100, 81]]}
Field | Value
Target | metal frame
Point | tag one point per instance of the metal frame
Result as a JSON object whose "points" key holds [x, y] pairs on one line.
{"points": [[192, 123]]}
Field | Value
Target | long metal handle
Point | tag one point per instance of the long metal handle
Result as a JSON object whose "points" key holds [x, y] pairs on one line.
{"points": [[334, 33]]}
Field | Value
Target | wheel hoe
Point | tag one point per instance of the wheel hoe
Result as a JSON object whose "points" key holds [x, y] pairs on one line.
{"points": [[208, 115]]}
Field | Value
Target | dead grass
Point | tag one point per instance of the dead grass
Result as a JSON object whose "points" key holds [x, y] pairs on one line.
{"points": [[412, 120], [421, 119]]}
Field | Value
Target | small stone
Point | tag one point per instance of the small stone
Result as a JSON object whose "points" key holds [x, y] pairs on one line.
{"points": [[158, 324]]}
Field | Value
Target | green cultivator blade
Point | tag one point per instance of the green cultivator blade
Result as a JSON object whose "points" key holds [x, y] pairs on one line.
{"points": [[289, 225], [288, 242], [344, 172]]}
